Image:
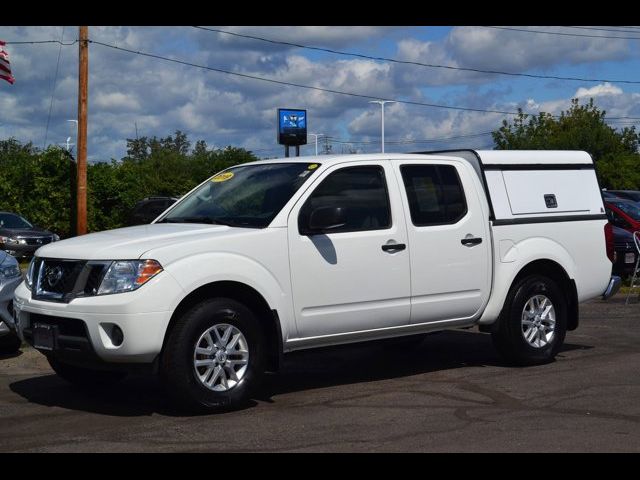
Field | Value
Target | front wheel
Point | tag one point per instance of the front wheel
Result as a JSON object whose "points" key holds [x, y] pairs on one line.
{"points": [[214, 356], [533, 324]]}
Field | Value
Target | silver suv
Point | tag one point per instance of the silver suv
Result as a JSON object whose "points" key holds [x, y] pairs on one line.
{"points": [[10, 278]]}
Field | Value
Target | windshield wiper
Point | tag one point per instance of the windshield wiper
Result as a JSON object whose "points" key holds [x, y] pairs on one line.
{"points": [[209, 220], [187, 220]]}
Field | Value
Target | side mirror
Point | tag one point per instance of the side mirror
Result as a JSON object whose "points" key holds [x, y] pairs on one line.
{"points": [[324, 219]]}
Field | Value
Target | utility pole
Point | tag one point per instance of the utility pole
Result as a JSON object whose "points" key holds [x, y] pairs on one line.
{"points": [[83, 86], [316, 135], [381, 103], [327, 146]]}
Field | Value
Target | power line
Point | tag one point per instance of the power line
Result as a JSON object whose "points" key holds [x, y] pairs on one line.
{"points": [[619, 30], [36, 42], [327, 90], [53, 90], [298, 85], [420, 64], [560, 33], [408, 142]]}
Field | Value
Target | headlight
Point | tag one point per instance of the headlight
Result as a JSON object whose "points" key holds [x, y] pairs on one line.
{"points": [[30, 272], [127, 275], [9, 271], [55, 238], [9, 240]]}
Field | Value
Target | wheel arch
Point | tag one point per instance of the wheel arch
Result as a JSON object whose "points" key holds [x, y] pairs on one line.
{"points": [[247, 295], [556, 272]]}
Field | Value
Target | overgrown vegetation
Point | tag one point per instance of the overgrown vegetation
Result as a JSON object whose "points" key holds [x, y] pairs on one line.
{"points": [[582, 127], [40, 185]]}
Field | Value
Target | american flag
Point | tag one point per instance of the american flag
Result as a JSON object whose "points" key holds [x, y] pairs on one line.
{"points": [[5, 67]]}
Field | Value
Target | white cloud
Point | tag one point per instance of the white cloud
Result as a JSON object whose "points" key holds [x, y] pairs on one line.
{"points": [[599, 90]]}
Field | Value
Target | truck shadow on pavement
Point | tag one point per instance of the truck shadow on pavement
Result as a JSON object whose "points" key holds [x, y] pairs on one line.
{"points": [[304, 370]]}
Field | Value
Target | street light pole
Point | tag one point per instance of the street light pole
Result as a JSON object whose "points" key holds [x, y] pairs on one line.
{"points": [[316, 135], [381, 103]]}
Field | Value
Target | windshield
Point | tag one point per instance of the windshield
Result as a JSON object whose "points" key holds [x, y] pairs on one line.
{"points": [[245, 196], [9, 220], [630, 209]]}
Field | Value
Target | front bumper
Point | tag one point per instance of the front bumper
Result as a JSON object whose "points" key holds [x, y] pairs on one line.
{"points": [[613, 287], [85, 326], [21, 250]]}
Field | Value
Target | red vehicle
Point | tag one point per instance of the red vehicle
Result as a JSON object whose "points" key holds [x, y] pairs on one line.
{"points": [[624, 213]]}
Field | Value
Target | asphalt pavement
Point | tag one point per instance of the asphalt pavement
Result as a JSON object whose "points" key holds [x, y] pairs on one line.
{"points": [[452, 393]]}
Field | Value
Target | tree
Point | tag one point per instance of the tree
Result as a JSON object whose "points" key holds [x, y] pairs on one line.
{"points": [[40, 184], [582, 127]]}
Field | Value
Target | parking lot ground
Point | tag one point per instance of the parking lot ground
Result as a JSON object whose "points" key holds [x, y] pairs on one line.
{"points": [[450, 394]]}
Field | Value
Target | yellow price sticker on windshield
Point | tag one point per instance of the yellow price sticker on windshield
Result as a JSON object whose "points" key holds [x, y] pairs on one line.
{"points": [[313, 166], [222, 177]]}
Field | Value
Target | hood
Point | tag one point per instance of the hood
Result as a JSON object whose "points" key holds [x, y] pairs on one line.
{"points": [[6, 259], [621, 235], [131, 243]]}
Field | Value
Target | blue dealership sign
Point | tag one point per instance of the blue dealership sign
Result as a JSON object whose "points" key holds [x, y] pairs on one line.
{"points": [[292, 126]]}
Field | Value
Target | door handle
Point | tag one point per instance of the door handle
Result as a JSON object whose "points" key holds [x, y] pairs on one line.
{"points": [[470, 241], [393, 247]]}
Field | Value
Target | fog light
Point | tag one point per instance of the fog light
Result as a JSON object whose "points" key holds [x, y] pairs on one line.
{"points": [[117, 336]]}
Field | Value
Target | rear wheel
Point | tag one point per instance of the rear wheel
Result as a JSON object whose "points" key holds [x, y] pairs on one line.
{"points": [[9, 344], [85, 377], [214, 357], [533, 323]]}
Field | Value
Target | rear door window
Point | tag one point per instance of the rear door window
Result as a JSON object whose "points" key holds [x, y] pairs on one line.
{"points": [[435, 194]]}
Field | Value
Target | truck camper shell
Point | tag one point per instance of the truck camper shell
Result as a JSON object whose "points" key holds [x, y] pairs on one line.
{"points": [[536, 186]]}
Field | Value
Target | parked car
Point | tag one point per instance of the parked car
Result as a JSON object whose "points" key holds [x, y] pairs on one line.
{"points": [[607, 194], [10, 278], [628, 194], [20, 238], [624, 213], [148, 209], [274, 256], [625, 252]]}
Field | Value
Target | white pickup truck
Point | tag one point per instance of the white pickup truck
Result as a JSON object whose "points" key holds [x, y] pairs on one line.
{"points": [[273, 256]]}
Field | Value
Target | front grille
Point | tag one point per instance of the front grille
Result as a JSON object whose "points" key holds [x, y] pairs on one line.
{"points": [[62, 280], [58, 276], [36, 240], [96, 272]]}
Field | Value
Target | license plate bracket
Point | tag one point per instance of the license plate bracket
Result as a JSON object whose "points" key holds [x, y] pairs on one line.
{"points": [[45, 336]]}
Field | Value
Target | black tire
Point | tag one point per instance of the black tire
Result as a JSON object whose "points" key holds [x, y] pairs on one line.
{"points": [[85, 377], [9, 344], [177, 362], [507, 333]]}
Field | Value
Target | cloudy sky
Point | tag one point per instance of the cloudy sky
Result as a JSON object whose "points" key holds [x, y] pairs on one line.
{"points": [[128, 90]]}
